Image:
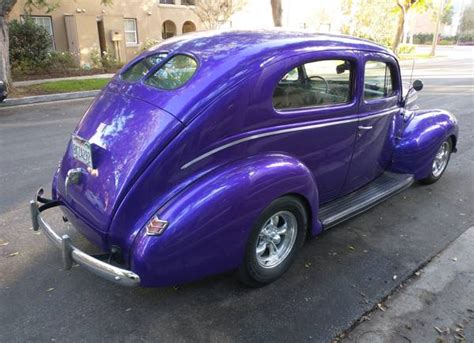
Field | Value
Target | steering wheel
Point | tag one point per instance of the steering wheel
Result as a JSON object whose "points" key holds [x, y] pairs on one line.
{"points": [[321, 78]]}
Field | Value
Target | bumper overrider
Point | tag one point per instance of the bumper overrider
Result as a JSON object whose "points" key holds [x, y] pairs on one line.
{"points": [[72, 254]]}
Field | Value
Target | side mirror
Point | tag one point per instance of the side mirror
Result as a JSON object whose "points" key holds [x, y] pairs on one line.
{"points": [[417, 85]]}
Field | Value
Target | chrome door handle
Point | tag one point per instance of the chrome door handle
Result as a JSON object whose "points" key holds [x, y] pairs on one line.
{"points": [[365, 127]]}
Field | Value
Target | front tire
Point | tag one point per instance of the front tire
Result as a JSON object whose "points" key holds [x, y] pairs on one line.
{"points": [[276, 237], [440, 162]]}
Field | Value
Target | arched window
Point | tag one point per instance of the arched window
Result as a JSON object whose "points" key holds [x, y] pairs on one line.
{"points": [[189, 26], [168, 29]]}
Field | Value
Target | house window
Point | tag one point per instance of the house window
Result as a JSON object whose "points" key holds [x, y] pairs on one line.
{"points": [[130, 29], [168, 2], [168, 30], [188, 2], [46, 23]]}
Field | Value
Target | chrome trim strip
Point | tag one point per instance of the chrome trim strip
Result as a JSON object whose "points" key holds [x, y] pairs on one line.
{"points": [[282, 131]]}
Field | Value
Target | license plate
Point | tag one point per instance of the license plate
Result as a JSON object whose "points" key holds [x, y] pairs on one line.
{"points": [[81, 151]]}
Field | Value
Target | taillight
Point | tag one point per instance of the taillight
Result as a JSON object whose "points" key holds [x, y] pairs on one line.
{"points": [[156, 226]]}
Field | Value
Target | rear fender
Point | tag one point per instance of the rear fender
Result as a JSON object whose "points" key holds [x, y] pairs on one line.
{"points": [[210, 221], [420, 140]]}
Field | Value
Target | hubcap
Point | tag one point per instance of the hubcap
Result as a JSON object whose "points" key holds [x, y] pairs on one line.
{"points": [[441, 160], [276, 239]]}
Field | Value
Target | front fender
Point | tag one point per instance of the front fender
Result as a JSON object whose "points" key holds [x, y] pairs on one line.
{"points": [[420, 140], [210, 221]]}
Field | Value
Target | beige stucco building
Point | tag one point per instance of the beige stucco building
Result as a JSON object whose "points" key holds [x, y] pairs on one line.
{"points": [[85, 26]]}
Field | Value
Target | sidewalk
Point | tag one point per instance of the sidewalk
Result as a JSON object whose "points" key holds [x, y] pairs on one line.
{"points": [[437, 306], [84, 77]]}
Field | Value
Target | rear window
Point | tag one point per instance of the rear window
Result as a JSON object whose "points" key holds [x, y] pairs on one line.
{"points": [[174, 73], [141, 68]]}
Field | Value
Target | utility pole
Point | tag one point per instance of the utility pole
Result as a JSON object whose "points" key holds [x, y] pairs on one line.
{"points": [[438, 24]]}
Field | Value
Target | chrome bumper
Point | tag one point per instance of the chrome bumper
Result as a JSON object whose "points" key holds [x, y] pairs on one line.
{"points": [[72, 254]]}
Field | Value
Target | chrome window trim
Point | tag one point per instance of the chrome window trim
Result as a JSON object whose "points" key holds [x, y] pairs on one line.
{"points": [[282, 131]]}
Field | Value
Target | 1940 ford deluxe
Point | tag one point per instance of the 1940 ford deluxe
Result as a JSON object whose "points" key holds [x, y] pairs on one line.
{"points": [[220, 151]]}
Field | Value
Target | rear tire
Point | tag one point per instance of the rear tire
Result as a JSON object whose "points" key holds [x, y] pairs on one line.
{"points": [[276, 237], [439, 163]]}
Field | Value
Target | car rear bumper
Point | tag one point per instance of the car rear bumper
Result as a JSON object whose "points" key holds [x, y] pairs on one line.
{"points": [[72, 254]]}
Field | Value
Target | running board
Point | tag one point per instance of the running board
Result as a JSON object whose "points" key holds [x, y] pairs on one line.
{"points": [[350, 205]]}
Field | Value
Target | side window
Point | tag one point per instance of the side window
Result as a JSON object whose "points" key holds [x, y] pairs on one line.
{"points": [[378, 82], [174, 73], [141, 68], [320, 83]]}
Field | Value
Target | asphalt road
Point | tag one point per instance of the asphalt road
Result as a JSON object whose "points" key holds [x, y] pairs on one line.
{"points": [[337, 277]]}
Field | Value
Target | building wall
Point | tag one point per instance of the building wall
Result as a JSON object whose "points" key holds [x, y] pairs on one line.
{"points": [[84, 15]]}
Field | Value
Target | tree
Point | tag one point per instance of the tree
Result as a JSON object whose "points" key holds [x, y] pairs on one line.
{"points": [[405, 6], [361, 21], [467, 21], [5, 9], [214, 12], [277, 12]]}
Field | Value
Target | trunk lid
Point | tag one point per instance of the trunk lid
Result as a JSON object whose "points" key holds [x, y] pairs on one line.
{"points": [[125, 134]]}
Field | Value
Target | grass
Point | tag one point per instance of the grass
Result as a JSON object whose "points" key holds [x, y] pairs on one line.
{"points": [[413, 56], [63, 86]]}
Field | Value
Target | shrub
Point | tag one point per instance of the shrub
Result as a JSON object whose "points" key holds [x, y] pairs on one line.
{"points": [[60, 61], [105, 60], [149, 43], [422, 38], [30, 45], [406, 49]]}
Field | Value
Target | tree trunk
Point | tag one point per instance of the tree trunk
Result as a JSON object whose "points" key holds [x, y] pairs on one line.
{"points": [[400, 29], [436, 33], [277, 12], [4, 52]]}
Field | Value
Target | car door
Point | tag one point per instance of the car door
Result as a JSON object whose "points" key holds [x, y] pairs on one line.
{"points": [[318, 95], [379, 104]]}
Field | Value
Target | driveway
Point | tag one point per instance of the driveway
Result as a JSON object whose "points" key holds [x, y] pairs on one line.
{"points": [[336, 279]]}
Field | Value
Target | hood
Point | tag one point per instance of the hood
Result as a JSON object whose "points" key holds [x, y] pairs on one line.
{"points": [[125, 134]]}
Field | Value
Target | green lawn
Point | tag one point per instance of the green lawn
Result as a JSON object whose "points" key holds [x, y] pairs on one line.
{"points": [[63, 86], [413, 56]]}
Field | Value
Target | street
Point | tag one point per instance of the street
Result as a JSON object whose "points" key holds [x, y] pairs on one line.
{"points": [[337, 278]]}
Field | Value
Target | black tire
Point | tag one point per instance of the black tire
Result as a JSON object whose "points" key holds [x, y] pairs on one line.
{"points": [[432, 178], [251, 272]]}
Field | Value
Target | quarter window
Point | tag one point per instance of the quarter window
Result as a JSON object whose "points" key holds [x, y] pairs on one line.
{"points": [[319, 83], [130, 30], [378, 82], [141, 68], [173, 73]]}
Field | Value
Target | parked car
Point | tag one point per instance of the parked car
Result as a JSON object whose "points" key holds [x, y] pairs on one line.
{"points": [[223, 151]]}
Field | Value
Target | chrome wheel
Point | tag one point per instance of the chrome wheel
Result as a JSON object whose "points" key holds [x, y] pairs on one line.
{"points": [[441, 160], [276, 239]]}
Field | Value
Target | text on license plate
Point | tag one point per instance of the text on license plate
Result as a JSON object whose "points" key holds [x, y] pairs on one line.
{"points": [[81, 151]]}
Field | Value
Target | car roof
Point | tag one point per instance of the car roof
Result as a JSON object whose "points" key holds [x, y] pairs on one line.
{"points": [[228, 57], [213, 44]]}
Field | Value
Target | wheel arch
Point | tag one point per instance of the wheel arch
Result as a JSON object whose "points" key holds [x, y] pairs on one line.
{"points": [[211, 220]]}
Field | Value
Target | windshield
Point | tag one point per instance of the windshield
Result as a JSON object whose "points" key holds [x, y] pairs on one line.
{"points": [[174, 73], [142, 67]]}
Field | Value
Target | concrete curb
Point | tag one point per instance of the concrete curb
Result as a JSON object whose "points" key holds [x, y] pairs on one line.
{"points": [[47, 98]]}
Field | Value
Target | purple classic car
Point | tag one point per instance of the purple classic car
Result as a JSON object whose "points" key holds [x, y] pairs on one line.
{"points": [[224, 151]]}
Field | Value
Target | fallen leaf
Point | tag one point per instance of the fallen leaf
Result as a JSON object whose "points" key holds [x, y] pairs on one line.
{"points": [[50, 289], [366, 251], [13, 254], [395, 277], [417, 273], [438, 330], [3, 243], [351, 247], [307, 265], [381, 308], [455, 259], [128, 309]]}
